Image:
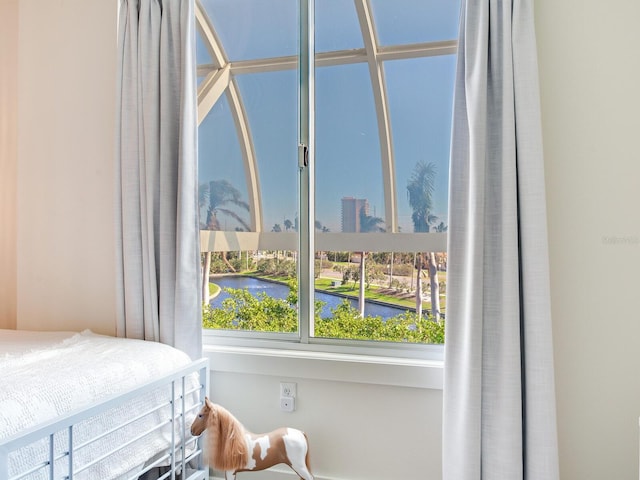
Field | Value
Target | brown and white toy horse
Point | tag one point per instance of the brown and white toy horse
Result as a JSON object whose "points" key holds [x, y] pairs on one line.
{"points": [[233, 449]]}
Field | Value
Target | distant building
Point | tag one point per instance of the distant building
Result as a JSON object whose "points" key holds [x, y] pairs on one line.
{"points": [[351, 213]]}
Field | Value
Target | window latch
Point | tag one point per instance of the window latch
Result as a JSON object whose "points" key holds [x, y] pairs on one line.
{"points": [[303, 156]]}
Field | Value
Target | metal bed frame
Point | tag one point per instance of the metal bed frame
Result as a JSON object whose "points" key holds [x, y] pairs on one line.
{"points": [[184, 459]]}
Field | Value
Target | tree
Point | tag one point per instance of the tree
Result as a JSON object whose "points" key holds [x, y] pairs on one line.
{"points": [[321, 228], [420, 192], [441, 227], [368, 223], [219, 197]]}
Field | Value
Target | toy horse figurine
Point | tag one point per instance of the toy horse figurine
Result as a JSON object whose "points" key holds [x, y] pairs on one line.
{"points": [[234, 449]]}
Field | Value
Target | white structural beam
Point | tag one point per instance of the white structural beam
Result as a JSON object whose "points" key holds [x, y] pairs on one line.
{"points": [[218, 81], [211, 89], [338, 57], [417, 50], [376, 72], [226, 241], [214, 47], [248, 154]]}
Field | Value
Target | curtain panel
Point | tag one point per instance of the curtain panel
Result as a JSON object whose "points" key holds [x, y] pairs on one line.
{"points": [[499, 401], [158, 255]]}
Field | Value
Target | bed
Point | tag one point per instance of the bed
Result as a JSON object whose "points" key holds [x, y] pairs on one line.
{"points": [[87, 406]]}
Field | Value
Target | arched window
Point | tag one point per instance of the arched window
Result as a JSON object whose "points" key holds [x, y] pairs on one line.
{"points": [[376, 205]]}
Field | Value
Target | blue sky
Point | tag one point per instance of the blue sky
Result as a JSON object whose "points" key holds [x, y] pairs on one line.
{"points": [[347, 145]]}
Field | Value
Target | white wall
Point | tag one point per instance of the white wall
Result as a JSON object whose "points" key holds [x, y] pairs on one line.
{"points": [[8, 160], [590, 67], [65, 254], [356, 431], [590, 72]]}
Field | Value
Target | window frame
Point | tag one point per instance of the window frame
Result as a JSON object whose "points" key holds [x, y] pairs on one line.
{"points": [[219, 79]]}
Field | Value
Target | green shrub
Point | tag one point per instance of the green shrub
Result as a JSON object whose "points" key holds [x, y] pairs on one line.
{"points": [[243, 311]]}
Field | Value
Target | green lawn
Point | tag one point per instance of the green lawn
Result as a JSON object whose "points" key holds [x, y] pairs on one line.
{"points": [[374, 292], [214, 289], [380, 294]]}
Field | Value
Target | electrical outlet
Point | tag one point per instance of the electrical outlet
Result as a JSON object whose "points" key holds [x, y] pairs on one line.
{"points": [[288, 389], [287, 404]]}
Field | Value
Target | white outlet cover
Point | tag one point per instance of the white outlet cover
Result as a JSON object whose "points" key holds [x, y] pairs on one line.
{"points": [[287, 404], [288, 389]]}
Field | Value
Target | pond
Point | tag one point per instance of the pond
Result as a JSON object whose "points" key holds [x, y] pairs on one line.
{"points": [[277, 290]]}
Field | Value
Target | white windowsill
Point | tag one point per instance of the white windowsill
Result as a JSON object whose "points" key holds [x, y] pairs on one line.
{"points": [[322, 365]]}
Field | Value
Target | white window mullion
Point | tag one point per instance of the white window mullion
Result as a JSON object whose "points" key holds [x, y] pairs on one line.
{"points": [[306, 71]]}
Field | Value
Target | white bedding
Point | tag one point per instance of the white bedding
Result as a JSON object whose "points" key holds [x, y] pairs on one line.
{"points": [[14, 342], [44, 375]]}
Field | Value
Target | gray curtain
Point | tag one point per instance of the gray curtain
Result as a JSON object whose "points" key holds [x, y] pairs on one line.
{"points": [[156, 156], [499, 403]]}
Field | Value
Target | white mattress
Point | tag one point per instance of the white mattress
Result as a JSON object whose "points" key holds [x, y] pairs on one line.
{"points": [[47, 374]]}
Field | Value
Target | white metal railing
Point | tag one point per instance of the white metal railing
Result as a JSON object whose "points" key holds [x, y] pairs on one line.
{"points": [[183, 456]]}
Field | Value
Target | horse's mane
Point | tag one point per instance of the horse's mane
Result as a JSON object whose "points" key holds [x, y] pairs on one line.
{"points": [[229, 449]]}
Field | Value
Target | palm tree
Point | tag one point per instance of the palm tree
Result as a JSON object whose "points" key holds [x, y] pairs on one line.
{"points": [[321, 228], [368, 223], [218, 197], [420, 192], [442, 227]]}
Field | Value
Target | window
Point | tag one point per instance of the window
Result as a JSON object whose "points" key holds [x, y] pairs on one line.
{"points": [[350, 248]]}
